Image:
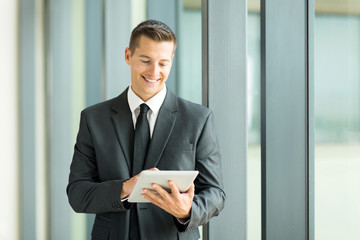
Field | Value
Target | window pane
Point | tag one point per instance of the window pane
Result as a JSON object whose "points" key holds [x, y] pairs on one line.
{"points": [[337, 120], [254, 158], [189, 51]]}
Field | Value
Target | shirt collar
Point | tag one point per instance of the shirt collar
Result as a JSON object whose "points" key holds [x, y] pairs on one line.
{"points": [[154, 103]]}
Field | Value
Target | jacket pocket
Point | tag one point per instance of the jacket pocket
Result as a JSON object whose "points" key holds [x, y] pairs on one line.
{"points": [[178, 157]]}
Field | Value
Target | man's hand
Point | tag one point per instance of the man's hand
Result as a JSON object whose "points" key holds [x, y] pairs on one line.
{"points": [[176, 203], [129, 184]]}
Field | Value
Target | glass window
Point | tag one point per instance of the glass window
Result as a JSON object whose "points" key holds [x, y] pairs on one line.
{"points": [[189, 51], [337, 119], [254, 98]]}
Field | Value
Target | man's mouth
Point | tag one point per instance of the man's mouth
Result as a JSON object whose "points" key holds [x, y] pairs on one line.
{"points": [[150, 80]]}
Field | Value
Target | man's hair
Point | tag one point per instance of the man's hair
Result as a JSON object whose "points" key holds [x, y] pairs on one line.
{"points": [[153, 29]]}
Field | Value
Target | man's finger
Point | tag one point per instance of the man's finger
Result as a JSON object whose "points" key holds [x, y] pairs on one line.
{"points": [[174, 189], [191, 190], [154, 169], [149, 194], [162, 192], [133, 180], [152, 197]]}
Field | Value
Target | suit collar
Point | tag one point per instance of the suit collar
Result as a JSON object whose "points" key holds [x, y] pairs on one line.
{"points": [[153, 103], [124, 127], [121, 104], [163, 129]]}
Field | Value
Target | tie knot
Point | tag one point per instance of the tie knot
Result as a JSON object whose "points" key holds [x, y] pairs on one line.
{"points": [[144, 108]]}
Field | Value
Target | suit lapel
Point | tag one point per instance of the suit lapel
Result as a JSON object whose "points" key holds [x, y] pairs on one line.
{"points": [[124, 127], [162, 131]]}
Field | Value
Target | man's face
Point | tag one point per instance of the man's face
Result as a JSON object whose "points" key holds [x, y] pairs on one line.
{"points": [[150, 66]]}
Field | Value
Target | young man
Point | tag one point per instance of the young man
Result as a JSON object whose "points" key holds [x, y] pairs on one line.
{"points": [[146, 127]]}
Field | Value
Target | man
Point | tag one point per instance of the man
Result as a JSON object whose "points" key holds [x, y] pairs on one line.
{"points": [[109, 154]]}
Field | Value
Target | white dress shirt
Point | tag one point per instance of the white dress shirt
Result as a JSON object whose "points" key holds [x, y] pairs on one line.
{"points": [[153, 103]]}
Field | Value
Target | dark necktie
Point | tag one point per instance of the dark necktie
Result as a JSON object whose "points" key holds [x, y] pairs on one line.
{"points": [[141, 140], [141, 144]]}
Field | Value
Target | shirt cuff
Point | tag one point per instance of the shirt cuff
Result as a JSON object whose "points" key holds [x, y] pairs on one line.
{"points": [[183, 221], [124, 199]]}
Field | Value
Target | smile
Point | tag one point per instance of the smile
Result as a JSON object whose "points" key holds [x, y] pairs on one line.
{"points": [[150, 80]]}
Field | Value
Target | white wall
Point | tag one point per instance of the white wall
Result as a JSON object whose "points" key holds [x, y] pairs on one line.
{"points": [[9, 127]]}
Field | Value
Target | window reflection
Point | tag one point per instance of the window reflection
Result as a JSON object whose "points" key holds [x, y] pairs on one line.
{"points": [[189, 50], [337, 119], [254, 158]]}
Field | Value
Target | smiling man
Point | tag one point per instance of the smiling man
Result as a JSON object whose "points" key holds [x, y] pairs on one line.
{"points": [[146, 127], [150, 63]]}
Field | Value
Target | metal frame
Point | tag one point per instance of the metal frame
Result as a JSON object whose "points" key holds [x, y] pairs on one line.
{"points": [[286, 136], [205, 51], [310, 22]]}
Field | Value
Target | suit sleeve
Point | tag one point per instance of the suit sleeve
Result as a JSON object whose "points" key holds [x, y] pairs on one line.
{"points": [[209, 196], [85, 192]]}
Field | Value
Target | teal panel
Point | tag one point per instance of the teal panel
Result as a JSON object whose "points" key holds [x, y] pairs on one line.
{"points": [[59, 49], [227, 97], [189, 52], [117, 36], [94, 63]]}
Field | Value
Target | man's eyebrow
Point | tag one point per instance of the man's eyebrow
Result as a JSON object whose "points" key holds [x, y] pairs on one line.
{"points": [[145, 56]]}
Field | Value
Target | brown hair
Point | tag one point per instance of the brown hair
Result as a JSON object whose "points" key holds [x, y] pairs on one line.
{"points": [[153, 29]]}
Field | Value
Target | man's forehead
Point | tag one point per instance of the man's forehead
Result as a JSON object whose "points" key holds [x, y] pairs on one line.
{"points": [[147, 47]]}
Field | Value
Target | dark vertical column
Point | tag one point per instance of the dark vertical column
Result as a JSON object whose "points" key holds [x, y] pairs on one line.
{"points": [[224, 78], [285, 131], [311, 119]]}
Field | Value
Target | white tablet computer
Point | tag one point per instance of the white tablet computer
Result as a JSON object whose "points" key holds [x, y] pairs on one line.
{"points": [[183, 180]]}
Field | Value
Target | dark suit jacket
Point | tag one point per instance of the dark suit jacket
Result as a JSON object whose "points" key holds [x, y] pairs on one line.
{"points": [[183, 139]]}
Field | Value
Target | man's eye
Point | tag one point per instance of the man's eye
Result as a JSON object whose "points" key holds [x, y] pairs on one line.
{"points": [[146, 62]]}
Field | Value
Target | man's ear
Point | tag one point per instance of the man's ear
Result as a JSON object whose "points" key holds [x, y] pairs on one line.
{"points": [[127, 55]]}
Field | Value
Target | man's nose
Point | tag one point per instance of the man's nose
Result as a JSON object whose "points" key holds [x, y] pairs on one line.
{"points": [[154, 69]]}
